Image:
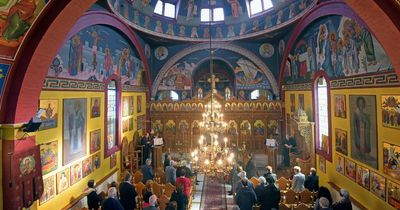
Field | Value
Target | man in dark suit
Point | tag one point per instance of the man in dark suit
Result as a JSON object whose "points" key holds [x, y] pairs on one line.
{"points": [[93, 199], [312, 182], [127, 193], [147, 171], [270, 196], [112, 203], [245, 197], [251, 169]]}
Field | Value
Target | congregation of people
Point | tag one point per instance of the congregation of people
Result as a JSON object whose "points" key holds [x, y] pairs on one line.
{"points": [[125, 196], [268, 193]]}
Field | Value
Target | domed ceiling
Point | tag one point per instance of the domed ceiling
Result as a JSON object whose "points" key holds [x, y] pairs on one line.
{"points": [[188, 20]]}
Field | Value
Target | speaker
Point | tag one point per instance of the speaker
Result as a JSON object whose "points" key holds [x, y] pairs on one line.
{"points": [[32, 126]]}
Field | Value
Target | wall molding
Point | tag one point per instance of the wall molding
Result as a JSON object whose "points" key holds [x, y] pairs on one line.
{"points": [[78, 85], [299, 86], [367, 81]]}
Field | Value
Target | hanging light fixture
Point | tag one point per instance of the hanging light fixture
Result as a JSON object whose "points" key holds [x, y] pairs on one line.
{"points": [[212, 158]]}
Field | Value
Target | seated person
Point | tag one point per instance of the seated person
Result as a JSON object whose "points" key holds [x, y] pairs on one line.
{"points": [[147, 193], [112, 202]]}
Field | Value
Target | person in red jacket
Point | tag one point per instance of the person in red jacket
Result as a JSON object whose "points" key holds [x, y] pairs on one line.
{"points": [[184, 181]]}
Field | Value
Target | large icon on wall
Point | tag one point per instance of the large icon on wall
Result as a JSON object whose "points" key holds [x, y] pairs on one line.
{"points": [[95, 141], [363, 129], [50, 116], [49, 157], [391, 111], [74, 129], [391, 162]]}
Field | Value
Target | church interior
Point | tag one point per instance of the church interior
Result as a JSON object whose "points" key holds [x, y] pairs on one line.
{"points": [[90, 90]]}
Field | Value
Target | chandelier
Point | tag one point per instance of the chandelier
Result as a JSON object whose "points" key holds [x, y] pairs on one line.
{"points": [[212, 157]]}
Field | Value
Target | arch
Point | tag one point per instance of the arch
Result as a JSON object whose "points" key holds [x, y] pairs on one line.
{"points": [[338, 7], [220, 45], [23, 105]]}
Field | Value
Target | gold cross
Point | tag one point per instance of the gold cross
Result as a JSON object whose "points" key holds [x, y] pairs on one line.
{"points": [[213, 79]]}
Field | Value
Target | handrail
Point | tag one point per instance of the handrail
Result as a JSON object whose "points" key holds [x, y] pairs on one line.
{"points": [[353, 200], [76, 200]]}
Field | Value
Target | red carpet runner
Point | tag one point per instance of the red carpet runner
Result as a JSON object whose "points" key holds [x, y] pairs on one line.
{"points": [[214, 195]]}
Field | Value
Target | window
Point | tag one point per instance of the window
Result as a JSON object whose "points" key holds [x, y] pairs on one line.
{"points": [[165, 9], [255, 94], [112, 119], [322, 114], [257, 6], [174, 96], [214, 14]]}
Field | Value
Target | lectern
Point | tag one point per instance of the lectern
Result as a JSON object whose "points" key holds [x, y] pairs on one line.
{"points": [[271, 154], [157, 158]]}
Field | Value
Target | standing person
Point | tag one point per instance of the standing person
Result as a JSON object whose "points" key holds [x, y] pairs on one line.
{"points": [[146, 143], [153, 203], [243, 178], [289, 146], [298, 180], [269, 173], [344, 203], [260, 188], [184, 181], [312, 181], [167, 160], [179, 197], [147, 171], [147, 192], [271, 196], [93, 199], [112, 203], [251, 169], [245, 197], [127, 193], [170, 173]]}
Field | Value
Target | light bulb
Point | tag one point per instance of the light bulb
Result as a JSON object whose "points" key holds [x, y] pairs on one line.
{"points": [[216, 143], [196, 158], [219, 162], [232, 155], [225, 139], [206, 162]]}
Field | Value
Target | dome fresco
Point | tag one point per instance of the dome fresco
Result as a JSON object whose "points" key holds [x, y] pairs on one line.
{"points": [[187, 26]]}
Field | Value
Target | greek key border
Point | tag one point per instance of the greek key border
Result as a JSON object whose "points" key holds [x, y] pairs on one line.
{"points": [[76, 85], [300, 86], [381, 80]]}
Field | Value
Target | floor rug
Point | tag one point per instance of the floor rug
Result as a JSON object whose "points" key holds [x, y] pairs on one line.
{"points": [[214, 195]]}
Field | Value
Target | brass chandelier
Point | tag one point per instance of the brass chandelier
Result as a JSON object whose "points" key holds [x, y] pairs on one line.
{"points": [[212, 157]]}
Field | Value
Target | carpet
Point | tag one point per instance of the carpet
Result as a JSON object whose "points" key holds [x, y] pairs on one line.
{"points": [[213, 195]]}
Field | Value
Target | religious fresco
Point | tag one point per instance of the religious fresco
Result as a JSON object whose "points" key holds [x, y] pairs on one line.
{"points": [[249, 76], [187, 25], [391, 111], [338, 45], [178, 77], [95, 53], [391, 162], [49, 157], [4, 70], [17, 17]]}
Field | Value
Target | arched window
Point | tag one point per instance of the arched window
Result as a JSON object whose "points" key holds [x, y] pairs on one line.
{"points": [[112, 118], [165, 9], [255, 94], [257, 6], [321, 96], [174, 95]]}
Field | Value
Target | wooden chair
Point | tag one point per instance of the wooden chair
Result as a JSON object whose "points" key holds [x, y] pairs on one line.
{"points": [[290, 197], [169, 189], [163, 202], [160, 174], [302, 206], [139, 189], [306, 197], [283, 206], [157, 189], [255, 181], [283, 183], [102, 195], [137, 177]]}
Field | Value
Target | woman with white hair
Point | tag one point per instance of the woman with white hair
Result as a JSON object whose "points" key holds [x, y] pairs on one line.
{"points": [[344, 203], [112, 202], [260, 188], [153, 203]]}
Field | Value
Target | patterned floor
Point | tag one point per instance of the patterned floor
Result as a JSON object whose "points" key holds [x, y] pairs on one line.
{"points": [[214, 195]]}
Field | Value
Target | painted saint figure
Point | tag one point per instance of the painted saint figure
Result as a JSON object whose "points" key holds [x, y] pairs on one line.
{"points": [[75, 56], [235, 8], [362, 127], [191, 10], [76, 122], [321, 45]]}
